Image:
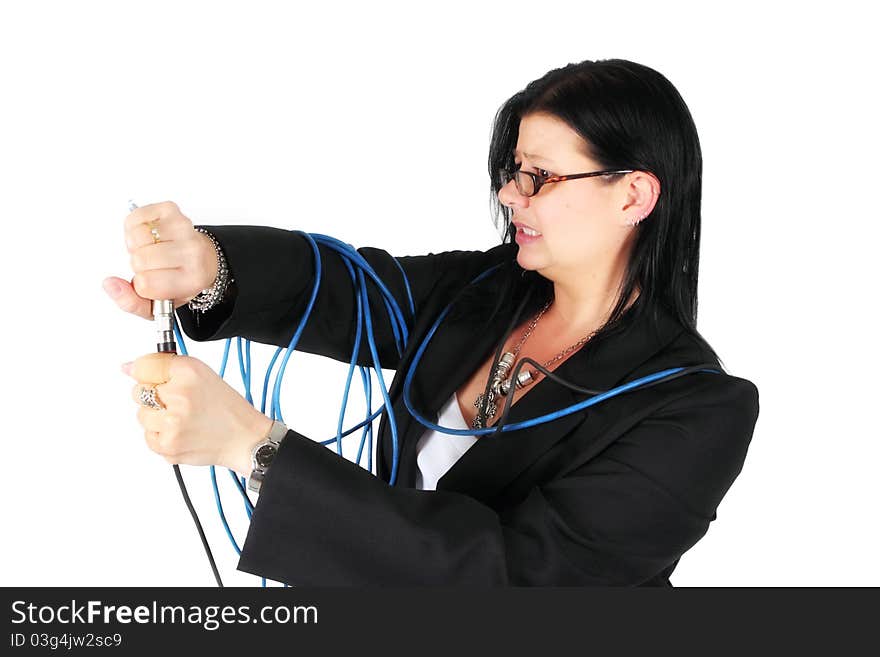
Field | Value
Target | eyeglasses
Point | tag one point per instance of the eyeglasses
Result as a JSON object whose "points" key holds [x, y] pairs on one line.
{"points": [[528, 183]]}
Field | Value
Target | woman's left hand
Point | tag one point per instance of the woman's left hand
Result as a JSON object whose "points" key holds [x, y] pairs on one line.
{"points": [[205, 421]]}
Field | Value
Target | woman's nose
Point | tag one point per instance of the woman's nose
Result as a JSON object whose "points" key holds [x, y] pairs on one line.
{"points": [[509, 196]]}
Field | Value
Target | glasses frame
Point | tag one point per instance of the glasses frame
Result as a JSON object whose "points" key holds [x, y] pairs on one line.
{"points": [[539, 180]]}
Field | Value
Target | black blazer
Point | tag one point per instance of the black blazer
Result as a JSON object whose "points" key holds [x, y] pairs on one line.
{"points": [[611, 495]]}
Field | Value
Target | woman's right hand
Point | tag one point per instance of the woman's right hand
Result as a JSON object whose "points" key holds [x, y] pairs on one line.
{"points": [[178, 267]]}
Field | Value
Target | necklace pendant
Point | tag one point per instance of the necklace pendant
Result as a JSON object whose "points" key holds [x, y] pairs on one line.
{"points": [[504, 365], [491, 409], [496, 389]]}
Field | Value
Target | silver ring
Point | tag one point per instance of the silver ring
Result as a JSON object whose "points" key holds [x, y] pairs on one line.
{"points": [[147, 397]]}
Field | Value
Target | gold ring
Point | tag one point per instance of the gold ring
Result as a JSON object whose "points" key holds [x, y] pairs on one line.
{"points": [[154, 230]]}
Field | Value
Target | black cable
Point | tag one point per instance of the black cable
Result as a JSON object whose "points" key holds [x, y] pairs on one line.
{"points": [[169, 346], [195, 517], [482, 410], [165, 344], [508, 402]]}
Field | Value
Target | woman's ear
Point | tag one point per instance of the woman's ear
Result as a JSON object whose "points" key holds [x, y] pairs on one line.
{"points": [[641, 193]]}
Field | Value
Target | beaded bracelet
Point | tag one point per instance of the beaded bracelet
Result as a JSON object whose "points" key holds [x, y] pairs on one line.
{"points": [[210, 297]]}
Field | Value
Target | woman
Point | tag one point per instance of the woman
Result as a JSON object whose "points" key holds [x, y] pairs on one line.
{"points": [[597, 170]]}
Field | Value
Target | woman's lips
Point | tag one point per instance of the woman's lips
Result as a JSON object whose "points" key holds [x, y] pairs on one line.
{"points": [[526, 235]]}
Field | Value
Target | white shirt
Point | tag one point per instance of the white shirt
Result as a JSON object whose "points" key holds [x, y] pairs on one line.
{"points": [[437, 452]]}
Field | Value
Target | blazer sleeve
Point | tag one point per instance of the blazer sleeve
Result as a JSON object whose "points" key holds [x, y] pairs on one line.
{"points": [[273, 270], [618, 519]]}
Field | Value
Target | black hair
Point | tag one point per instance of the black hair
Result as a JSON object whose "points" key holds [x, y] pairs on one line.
{"points": [[630, 117]]}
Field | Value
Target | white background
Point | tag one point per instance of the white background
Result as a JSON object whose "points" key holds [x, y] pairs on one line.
{"points": [[256, 113]]}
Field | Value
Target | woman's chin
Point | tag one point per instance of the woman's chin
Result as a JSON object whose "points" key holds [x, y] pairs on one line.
{"points": [[528, 261]]}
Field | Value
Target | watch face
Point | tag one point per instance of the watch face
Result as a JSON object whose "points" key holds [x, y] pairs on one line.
{"points": [[264, 455]]}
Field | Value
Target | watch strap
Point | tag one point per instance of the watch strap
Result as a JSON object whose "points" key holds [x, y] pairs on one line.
{"points": [[273, 439]]}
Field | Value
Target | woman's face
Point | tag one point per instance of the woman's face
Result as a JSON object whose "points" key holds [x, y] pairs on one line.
{"points": [[580, 223]]}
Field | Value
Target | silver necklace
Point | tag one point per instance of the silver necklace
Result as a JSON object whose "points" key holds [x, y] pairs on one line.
{"points": [[501, 381]]}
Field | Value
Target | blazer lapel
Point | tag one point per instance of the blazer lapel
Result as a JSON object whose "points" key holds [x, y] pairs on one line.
{"points": [[454, 353], [497, 459]]}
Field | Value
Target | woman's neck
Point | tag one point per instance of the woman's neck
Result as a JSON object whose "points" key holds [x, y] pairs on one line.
{"points": [[586, 306]]}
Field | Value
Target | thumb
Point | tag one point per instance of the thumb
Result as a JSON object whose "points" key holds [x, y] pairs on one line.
{"points": [[122, 292]]}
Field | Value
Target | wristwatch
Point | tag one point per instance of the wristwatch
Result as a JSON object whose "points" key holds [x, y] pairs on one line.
{"points": [[264, 454]]}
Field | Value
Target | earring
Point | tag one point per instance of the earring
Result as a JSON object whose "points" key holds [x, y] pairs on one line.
{"points": [[634, 221]]}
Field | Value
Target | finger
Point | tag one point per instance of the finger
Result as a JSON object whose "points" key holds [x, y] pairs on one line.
{"points": [[152, 420], [141, 235], [136, 393], [160, 284], [157, 442], [147, 213], [122, 292], [152, 439], [162, 255], [153, 368]]}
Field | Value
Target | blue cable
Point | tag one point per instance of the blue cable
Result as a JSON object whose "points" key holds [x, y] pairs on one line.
{"points": [[547, 417], [359, 271], [276, 391], [354, 354], [220, 510], [184, 352], [213, 473], [378, 368], [222, 372], [409, 296], [352, 253], [368, 428], [245, 369], [396, 317], [363, 423], [240, 485]]}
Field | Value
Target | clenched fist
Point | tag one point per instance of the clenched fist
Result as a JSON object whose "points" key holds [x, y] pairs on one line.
{"points": [[204, 420], [178, 267]]}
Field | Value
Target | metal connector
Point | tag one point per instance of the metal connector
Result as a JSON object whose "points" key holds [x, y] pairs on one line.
{"points": [[163, 317]]}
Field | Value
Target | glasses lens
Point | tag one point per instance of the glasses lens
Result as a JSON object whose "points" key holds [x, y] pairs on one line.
{"points": [[525, 183]]}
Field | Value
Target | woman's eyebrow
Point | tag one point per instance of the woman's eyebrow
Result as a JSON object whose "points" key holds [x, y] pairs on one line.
{"points": [[533, 156]]}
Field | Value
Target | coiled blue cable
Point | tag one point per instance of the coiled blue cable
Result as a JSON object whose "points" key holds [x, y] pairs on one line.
{"points": [[399, 328], [359, 271]]}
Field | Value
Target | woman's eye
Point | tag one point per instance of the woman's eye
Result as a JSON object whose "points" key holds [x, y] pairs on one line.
{"points": [[541, 172]]}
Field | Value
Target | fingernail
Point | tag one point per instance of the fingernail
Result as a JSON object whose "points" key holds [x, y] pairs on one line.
{"points": [[112, 288], [126, 367]]}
